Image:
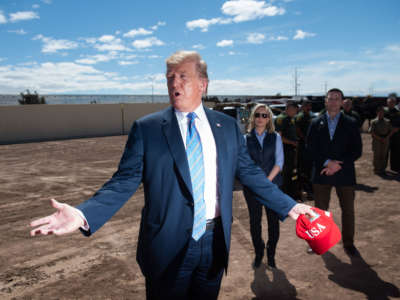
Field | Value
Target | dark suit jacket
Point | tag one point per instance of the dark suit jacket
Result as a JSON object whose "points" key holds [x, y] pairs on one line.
{"points": [[155, 156], [345, 146]]}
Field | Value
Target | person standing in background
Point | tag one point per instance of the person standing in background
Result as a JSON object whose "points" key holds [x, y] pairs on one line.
{"points": [[266, 150], [393, 114], [349, 111], [381, 131], [285, 126], [334, 144], [303, 121]]}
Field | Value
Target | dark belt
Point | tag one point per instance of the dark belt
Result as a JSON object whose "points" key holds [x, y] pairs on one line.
{"points": [[212, 223]]}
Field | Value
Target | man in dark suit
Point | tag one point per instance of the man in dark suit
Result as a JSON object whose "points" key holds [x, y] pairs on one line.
{"points": [[187, 157], [334, 144]]}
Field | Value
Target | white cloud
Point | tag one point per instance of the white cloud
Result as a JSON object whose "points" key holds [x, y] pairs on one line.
{"points": [[377, 68], [47, 1], [129, 56], [35, 6], [111, 47], [225, 43], [19, 31], [94, 59], [159, 24], [393, 48], [147, 43], [127, 62], [239, 11], [278, 38], [203, 24], [124, 59], [52, 46], [300, 34], [67, 77], [3, 18], [106, 38], [246, 10], [110, 43], [154, 56], [23, 16], [198, 46], [255, 38], [86, 61], [89, 40], [135, 32]]}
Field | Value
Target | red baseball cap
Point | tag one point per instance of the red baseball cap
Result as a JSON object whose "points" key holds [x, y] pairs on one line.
{"points": [[320, 231]]}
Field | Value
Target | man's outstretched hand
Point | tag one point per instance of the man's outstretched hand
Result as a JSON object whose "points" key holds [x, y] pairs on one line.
{"points": [[300, 209], [65, 220]]}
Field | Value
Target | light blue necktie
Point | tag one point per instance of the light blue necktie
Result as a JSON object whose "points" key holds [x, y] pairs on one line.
{"points": [[194, 153]]}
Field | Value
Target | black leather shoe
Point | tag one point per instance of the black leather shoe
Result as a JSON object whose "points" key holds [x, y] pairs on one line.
{"points": [[351, 251], [257, 261]]}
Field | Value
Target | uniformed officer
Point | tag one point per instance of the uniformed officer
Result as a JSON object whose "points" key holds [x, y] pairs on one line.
{"points": [[304, 166], [285, 125], [349, 111], [381, 130], [393, 114]]}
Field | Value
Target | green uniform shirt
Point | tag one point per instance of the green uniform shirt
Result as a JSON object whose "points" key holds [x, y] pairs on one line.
{"points": [[286, 125], [303, 121], [381, 127], [353, 114], [393, 115]]}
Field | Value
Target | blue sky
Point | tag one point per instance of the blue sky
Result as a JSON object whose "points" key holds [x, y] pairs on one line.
{"points": [[252, 47]]}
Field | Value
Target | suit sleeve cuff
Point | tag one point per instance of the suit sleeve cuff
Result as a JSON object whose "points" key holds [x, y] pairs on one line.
{"points": [[85, 226]]}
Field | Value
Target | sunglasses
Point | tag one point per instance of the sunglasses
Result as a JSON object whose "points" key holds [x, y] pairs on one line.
{"points": [[258, 115]]}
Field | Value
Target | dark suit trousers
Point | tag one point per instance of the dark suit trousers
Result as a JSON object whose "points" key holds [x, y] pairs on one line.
{"points": [[289, 186], [346, 195], [255, 213], [197, 274], [395, 152]]}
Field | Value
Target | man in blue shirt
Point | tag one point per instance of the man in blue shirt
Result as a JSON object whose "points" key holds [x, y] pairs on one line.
{"points": [[334, 144]]}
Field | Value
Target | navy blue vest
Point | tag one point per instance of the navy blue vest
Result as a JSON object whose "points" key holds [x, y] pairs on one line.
{"points": [[264, 157]]}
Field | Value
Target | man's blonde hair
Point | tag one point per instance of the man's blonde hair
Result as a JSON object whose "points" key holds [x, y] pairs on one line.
{"points": [[270, 127], [182, 56]]}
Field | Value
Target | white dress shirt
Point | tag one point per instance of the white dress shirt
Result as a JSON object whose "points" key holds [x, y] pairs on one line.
{"points": [[209, 157]]}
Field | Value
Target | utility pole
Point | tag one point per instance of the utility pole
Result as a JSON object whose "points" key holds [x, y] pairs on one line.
{"points": [[326, 87], [371, 89], [296, 83]]}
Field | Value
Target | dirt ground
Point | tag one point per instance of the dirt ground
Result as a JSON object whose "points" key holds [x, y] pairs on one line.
{"points": [[104, 266]]}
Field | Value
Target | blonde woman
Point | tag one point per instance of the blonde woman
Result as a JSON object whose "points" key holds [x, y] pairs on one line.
{"points": [[265, 148]]}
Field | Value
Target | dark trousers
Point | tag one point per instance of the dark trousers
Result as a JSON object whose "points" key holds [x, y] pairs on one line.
{"points": [[304, 167], [196, 275], [346, 195], [289, 172], [255, 213], [395, 152]]}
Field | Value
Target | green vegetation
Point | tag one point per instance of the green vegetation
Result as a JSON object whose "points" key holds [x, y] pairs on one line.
{"points": [[29, 98]]}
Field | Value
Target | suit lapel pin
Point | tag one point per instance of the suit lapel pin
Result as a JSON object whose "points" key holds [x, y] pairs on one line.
{"points": [[218, 125]]}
